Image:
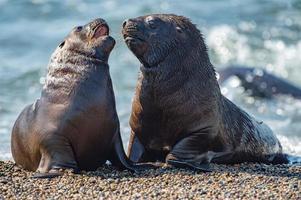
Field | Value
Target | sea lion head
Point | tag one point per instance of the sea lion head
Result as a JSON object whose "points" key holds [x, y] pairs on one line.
{"points": [[91, 40], [153, 38]]}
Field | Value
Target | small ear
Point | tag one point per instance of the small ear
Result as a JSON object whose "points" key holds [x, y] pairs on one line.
{"points": [[179, 30], [62, 44]]}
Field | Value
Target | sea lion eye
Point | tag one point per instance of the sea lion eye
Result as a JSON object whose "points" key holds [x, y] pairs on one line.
{"points": [[152, 24], [179, 30], [78, 29], [62, 44]]}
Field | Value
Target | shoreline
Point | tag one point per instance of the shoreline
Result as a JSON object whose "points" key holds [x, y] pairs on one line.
{"points": [[241, 181]]}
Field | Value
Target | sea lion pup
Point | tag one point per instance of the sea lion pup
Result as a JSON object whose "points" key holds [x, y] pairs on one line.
{"points": [[258, 82], [178, 113], [74, 124]]}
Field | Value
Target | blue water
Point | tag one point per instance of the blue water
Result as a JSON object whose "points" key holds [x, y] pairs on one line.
{"points": [[250, 32]]}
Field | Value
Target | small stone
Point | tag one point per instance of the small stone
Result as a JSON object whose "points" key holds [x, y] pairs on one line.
{"points": [[245, 181]]}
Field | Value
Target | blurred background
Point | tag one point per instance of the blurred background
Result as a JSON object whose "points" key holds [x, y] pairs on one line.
{"points": [[259, 33]]}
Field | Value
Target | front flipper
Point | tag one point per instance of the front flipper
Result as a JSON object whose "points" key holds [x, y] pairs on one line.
{"points": [[138, 154], [191, 152], [120, 160], [56, 153], [135, 148], [50, 174], [205, 167]]}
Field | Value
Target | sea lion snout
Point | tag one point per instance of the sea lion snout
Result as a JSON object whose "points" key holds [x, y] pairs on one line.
{"points": [[151, 38], [125, 22], [132, 30], [99, 37], [107, 44], [130, 23], [98, 28], [134, 35], [92, 40]]}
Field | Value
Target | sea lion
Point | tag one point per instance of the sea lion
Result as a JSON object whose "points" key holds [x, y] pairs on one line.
{"points": [[258, 82], [74, 123], [178, 112]]}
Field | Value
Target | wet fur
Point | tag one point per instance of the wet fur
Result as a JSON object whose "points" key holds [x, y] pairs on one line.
{"points": [[179, 113], [74, 124]]}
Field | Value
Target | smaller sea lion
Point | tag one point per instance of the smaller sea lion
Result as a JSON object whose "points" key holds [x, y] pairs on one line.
{"points": [[258, 82], [74, 124], [178, 112]]}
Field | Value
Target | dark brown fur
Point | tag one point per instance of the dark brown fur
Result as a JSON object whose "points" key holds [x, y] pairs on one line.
{"points": [[178, 112]]}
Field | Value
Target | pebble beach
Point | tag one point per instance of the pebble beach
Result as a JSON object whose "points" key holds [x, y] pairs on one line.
{"points": [[244, 181]]}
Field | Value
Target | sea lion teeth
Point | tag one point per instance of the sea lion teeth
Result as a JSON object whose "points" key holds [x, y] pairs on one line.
{"points": [[101, 30]]}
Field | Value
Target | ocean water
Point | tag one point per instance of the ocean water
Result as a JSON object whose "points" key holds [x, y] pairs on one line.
{"points": [[260, 33]]}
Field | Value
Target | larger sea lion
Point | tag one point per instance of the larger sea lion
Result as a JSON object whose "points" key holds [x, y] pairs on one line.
{"points": [[178, 113], [74, 123]]}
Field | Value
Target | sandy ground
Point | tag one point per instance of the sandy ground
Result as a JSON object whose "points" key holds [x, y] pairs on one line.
{"points": [[244, 181]]}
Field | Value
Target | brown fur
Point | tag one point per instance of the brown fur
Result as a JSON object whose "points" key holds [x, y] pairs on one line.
{"points": [[178, 112]]}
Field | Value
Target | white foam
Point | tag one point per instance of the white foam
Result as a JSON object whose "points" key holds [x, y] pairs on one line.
{"points": [[4, 155], [286, 59], [291, 145], [227, 44]]}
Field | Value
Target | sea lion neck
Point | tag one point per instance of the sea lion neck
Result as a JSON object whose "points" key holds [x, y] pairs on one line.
{"points": [[68, 70], [88, 56], [184, 63], [77, 59]]}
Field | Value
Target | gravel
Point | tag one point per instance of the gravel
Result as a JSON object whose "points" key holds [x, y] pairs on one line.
{"points": [[243, 181]]}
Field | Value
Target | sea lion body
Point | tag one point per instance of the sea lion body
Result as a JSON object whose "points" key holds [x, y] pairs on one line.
{"points": [[178, 113], [258, 82], [74, 124]]}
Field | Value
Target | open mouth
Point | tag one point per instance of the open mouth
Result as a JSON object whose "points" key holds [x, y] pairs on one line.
{"points": [[101, 30]]}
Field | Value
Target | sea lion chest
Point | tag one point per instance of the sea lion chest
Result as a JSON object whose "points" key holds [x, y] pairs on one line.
{"points": [[81, 106], [155, 119]]}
